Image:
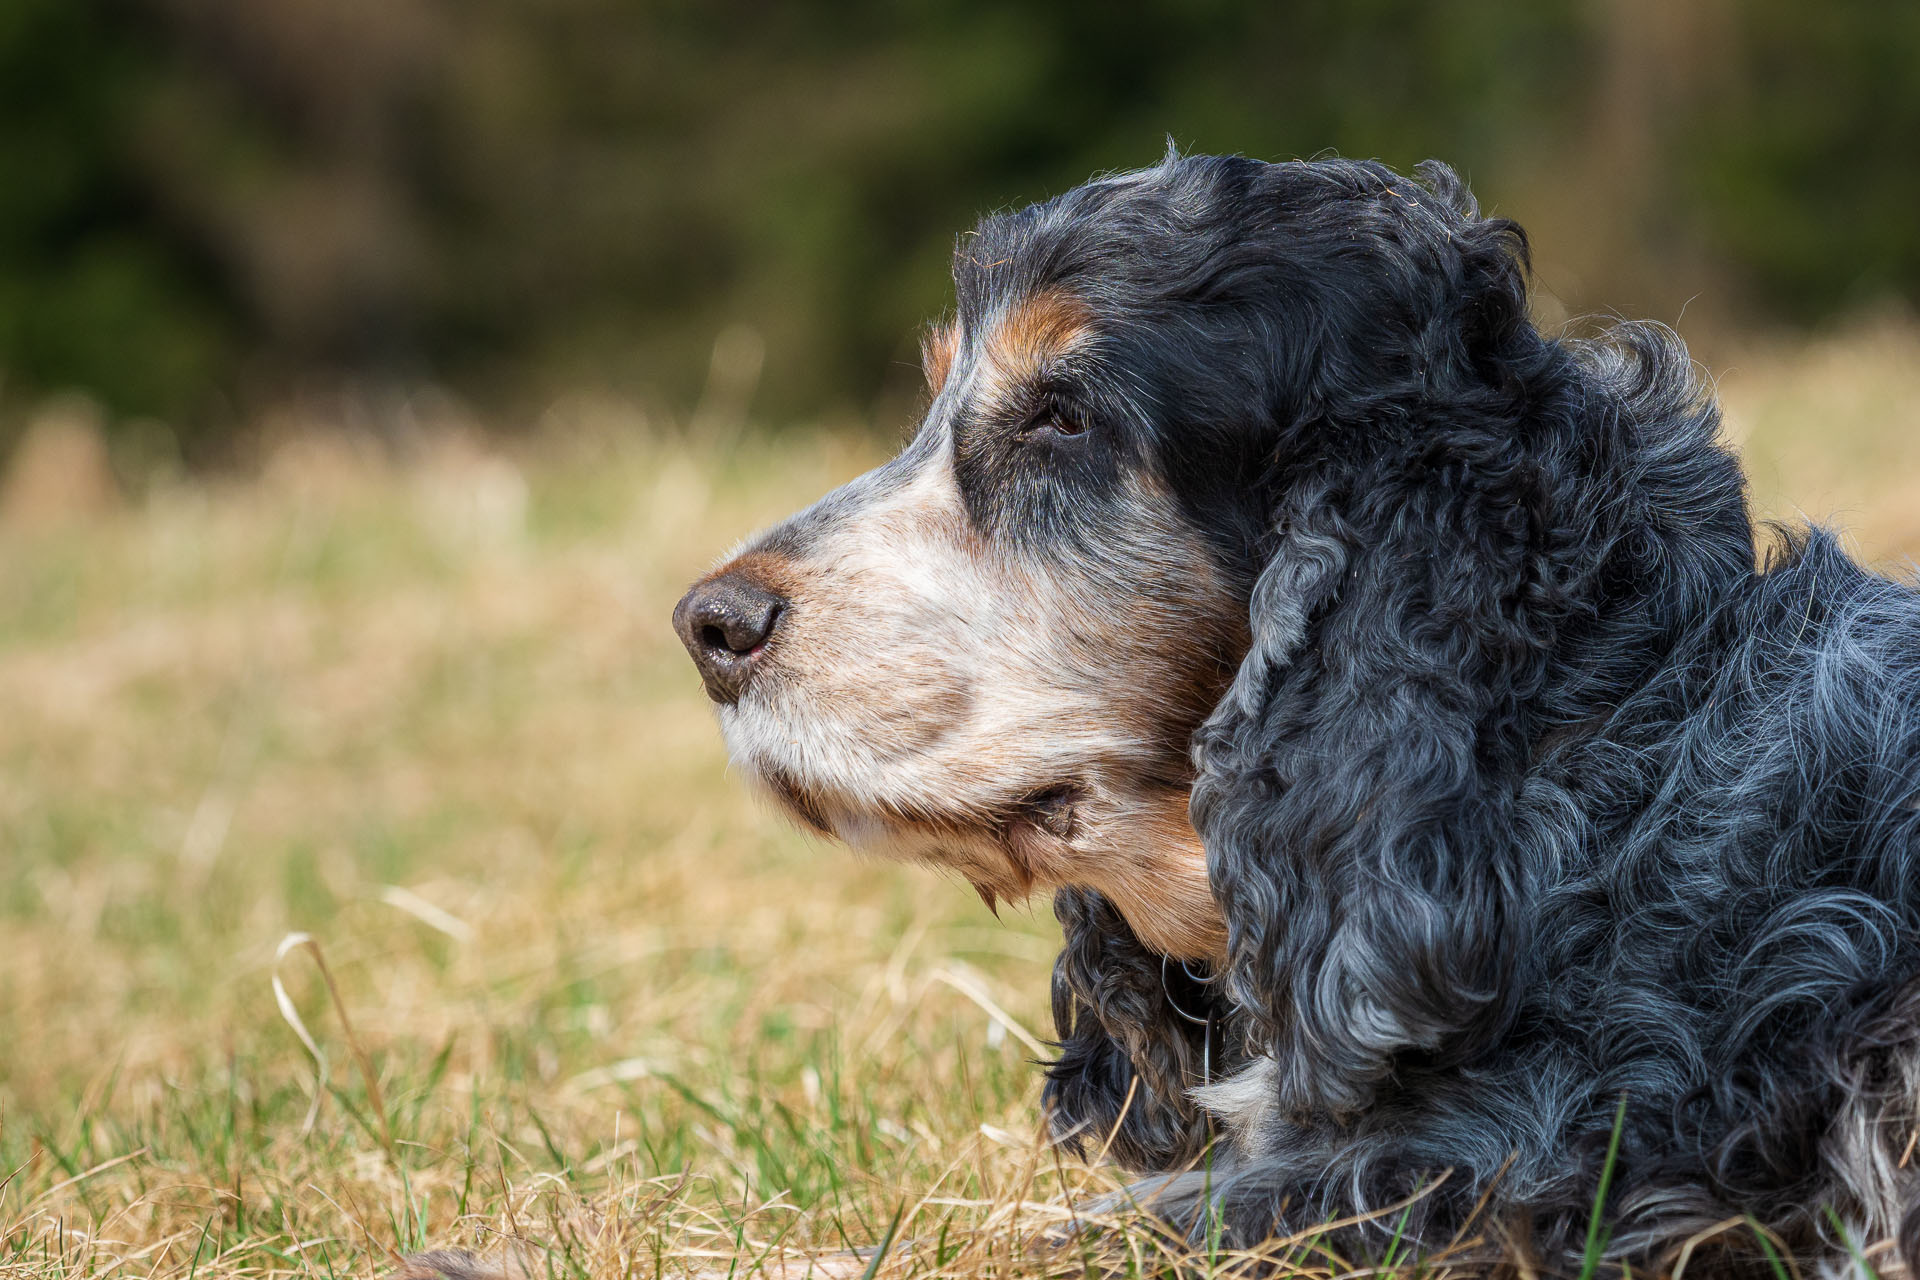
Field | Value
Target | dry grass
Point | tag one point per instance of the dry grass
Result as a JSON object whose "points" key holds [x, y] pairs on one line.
{"points": [[431, 715], [1831, 432]]}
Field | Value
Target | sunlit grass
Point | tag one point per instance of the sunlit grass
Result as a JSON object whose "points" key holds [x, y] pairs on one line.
{"points": [[431, 715]]}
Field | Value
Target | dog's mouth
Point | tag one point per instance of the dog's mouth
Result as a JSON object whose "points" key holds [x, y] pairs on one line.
{"points": [[1052, 809], [1005, 850]]}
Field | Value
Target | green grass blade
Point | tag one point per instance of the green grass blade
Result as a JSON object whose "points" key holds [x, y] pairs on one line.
{"points": [[1596, 1242], [1846, 1238], [1766, 1247], [886, 1243]]}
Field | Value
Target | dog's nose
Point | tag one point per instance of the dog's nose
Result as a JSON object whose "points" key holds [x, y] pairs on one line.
{"points": [[726, 622]]}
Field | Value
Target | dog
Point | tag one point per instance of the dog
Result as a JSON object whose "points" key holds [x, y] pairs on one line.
{"points": [[1442, 800], [1449, 812]]}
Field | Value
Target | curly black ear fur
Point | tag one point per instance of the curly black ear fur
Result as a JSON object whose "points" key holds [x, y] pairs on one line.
{"points": [[1357, 783], [1126, 1060]]}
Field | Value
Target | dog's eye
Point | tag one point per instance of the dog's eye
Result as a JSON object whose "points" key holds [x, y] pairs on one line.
{"points": [[1057, 422]]}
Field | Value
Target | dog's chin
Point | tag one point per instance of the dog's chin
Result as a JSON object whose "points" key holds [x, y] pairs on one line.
{"points": [[1138, 850], [805, 805], [1006, 848]]}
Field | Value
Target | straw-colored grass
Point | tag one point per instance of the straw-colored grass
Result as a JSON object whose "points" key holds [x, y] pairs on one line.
{"points": [[430, 715]]}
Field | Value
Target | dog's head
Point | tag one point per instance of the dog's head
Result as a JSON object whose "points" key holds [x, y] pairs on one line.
{"points": [[993, 653]]}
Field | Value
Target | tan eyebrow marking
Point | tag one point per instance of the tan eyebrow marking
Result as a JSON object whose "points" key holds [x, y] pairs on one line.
{"points": [[1043, 325], [937, 346], [1026, 335]]}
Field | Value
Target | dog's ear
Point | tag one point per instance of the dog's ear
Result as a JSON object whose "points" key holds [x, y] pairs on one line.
{"points": [[1119, 1087], [1357, 784]]}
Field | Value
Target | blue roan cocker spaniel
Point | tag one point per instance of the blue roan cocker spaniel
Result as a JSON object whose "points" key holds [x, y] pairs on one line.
{"points": [[1387, 695]]}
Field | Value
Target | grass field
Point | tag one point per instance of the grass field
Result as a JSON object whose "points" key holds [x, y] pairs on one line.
{"points": [[429, 715]]}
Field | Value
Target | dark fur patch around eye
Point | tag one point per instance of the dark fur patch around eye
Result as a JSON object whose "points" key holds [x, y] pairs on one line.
{"points": [[1039, 487], [1024, 453]]}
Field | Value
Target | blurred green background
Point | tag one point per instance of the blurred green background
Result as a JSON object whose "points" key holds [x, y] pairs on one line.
{"points": [[208, 207]]}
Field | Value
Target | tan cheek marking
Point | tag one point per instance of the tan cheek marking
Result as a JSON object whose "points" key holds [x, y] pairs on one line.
{"points": [[1166, 894], [1159, 657], [937, 346], [1199, 653], [1145, 856]]}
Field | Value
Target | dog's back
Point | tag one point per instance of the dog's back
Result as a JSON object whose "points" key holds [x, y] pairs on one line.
{"points": [[1740, 956]]}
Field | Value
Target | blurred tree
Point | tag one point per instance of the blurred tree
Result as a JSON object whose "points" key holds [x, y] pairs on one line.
{"points": [[97, 288], [1806, 170], [205, 204]]}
